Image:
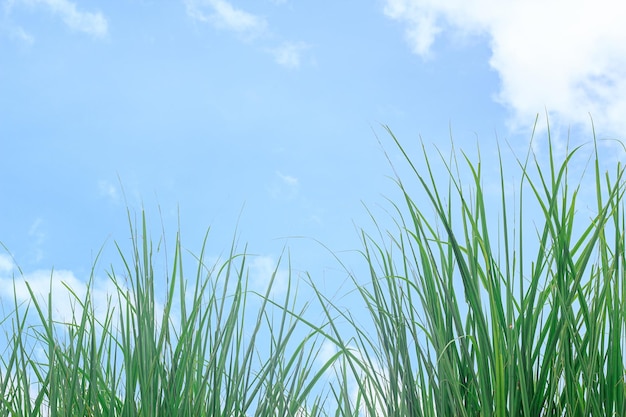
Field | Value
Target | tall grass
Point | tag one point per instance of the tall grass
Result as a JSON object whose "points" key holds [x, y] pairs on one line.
{"points": [[192, 355], [468, 322], [474, 309]]}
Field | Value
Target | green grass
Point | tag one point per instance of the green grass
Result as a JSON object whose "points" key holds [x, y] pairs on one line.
{"points": [[475, 309]]}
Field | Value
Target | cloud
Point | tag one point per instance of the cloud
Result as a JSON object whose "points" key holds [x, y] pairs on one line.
{"points": [[565, 56], [288, 179], [42, 282], [224, 15], [262, 269], [6, 264], [289, 54], [422, 28], [286, 187], [37, 233], [108, 190], [94, 24], [327, 351], [68, 294], [21, 35]]}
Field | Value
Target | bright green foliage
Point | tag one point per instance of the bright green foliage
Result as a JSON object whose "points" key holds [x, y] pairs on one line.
{"points": [[193, 356], [468, 323], [474, 310]]}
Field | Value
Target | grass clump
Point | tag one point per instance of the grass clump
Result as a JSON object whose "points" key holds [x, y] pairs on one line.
{"points": [[468, 321], [474, 309], [195, 354]]}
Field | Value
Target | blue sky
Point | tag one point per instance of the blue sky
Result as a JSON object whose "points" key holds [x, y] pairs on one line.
{"points": [[264, 115]]}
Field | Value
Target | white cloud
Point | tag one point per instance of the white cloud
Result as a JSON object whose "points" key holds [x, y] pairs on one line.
{"points": [[42, 282], [285, 187], [262, 268], [94, 24], [108, 190], [289, 54], [566, 56], [288, 179], [38, 234], [68, 293], [327, 351], [21, 35], [224, 15], [422, 28], [6, 264]]}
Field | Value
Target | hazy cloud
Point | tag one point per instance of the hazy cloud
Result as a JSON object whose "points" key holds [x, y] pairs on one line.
{"points": [[6, 264], [285, 187], [92, 23], [327, 351], [566, 56], [289, 54], [108, 190], [38, 236], [288, 179], [262, 269], [224, 15], [21, 35]]}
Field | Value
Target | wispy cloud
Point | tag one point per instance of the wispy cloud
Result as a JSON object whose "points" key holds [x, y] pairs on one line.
{"points": [[109, 191], [262, 269], [285, 187], [91, 23], [248, 26], [22, 36], [289, 54], [568, 57], [224, 15], [38, 236], [6, 264], [288, 179]]}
